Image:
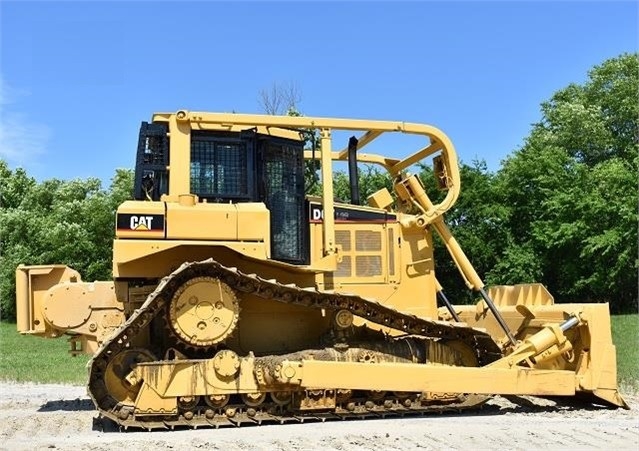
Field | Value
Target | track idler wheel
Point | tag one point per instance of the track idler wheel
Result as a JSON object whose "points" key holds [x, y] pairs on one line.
{"points": [[117, 370]]}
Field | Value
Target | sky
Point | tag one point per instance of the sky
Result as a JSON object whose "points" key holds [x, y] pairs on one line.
{"points": [[77, 78]]}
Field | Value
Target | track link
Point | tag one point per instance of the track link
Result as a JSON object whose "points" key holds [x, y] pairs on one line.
{"points": [[486, 348]]}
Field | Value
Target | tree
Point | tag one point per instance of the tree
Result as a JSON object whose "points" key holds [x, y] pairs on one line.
{"points": [[55, 221], [371, 178], [280, 98], [571, 191]]}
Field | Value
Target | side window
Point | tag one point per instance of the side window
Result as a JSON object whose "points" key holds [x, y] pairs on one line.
{"points": [[152, 159], [219, 169], [283, 176]]}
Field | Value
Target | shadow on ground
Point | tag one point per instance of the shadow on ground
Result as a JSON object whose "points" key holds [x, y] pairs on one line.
{"points": [[71, 405], [530, 404]]}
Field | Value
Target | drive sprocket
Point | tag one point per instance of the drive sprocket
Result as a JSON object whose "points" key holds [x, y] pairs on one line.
{"points": [[203, 311]]}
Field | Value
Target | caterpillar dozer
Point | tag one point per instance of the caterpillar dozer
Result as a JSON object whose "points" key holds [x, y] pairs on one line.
{"points": [[239, 298]]}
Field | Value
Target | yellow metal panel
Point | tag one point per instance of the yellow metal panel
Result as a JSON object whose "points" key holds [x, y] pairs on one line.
{"points": [[201, 222], [436, 378], [180, 156], [416, 268], [528, 294], [171, 379], [327, 193], [33, 283], [218, 222], [380, 199], [287, 327], [23, 300], [157, 258], [253, 222], [407, 248]]}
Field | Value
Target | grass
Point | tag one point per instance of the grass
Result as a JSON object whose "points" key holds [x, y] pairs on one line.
{"points": [[25, 358], [625, 335], [34, 359]]}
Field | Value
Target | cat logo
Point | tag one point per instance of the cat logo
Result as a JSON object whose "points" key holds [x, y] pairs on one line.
{"points": [[127, 222], [141, 222]]}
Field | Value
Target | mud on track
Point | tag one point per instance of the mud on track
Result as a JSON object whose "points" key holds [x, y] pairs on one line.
{"points": [[62, 417]]}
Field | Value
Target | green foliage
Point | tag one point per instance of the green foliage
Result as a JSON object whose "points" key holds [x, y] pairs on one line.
{"points": [[625, 333], [69, 222], [371, 178], [571, 192]]}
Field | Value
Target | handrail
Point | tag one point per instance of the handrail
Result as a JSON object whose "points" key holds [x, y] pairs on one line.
{"points": [[439, 142]]}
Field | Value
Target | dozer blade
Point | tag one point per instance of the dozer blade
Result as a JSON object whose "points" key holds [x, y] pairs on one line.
{"points": [[566, 337]]}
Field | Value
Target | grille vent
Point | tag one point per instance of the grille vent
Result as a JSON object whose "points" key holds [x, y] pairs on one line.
{"points": [[344, 268], [391, 252], [368, 241], [368, 265], [343, 238]]}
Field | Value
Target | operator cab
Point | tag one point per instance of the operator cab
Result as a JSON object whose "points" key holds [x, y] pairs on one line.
{"points": [[231, 167]]}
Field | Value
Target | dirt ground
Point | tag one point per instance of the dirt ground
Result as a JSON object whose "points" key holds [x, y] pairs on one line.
{"points": [[37, 417]]}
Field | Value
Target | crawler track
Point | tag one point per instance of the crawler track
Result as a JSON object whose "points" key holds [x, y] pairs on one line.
{"points": [[486, 351]]}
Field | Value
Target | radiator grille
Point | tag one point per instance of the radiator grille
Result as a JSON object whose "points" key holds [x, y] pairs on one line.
{"points": [[344, 268], [343, 238], [368, 265], [391, 252], [366, 240]]}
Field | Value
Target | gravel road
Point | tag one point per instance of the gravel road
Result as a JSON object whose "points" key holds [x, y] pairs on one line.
{"points": [[38, 417]]}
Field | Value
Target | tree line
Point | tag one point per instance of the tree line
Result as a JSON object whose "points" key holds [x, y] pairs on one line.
{"points": [[56, 221], [561, 210]]}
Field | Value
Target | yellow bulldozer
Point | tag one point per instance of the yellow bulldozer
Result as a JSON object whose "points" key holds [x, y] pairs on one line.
{"points": [[239, 298]]}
